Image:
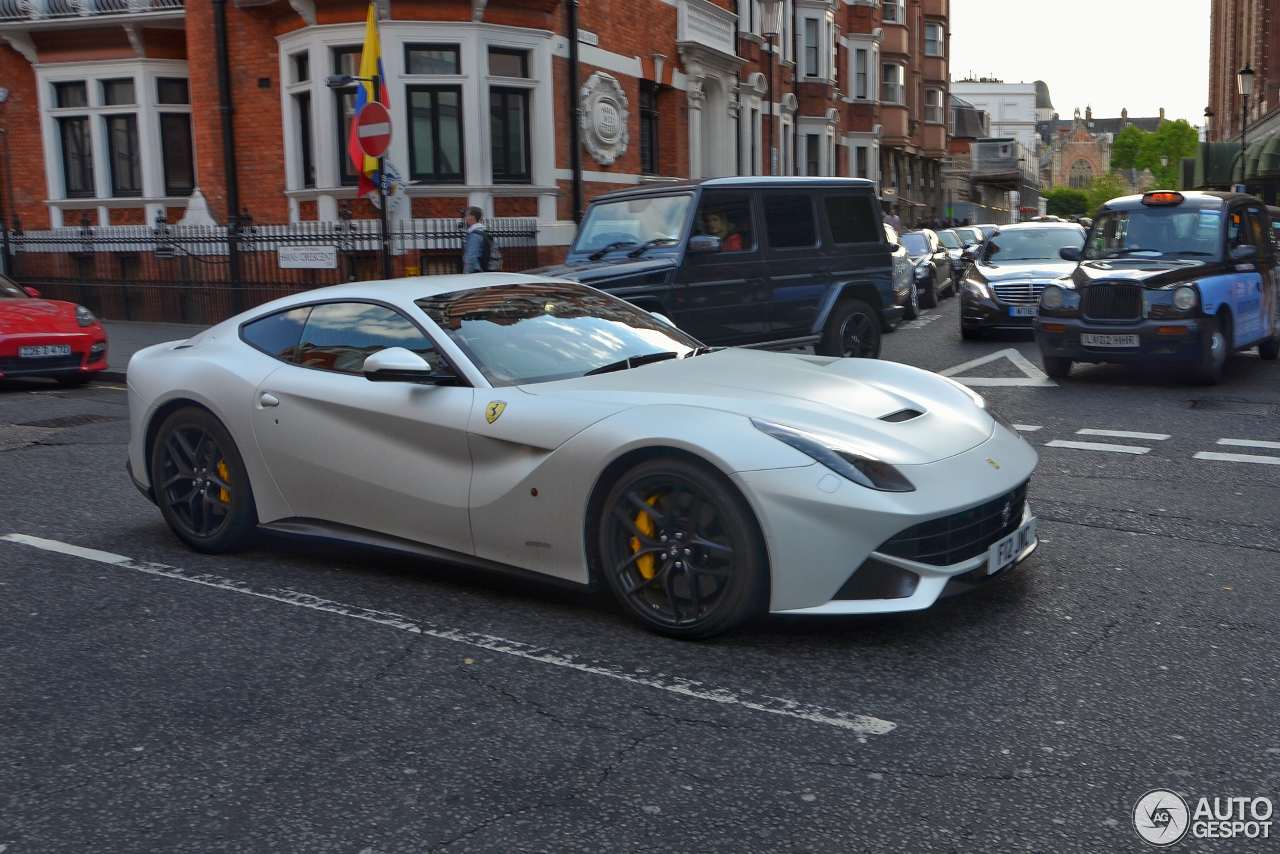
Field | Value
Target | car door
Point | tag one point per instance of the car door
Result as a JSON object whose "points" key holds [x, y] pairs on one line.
{"points": [[799, 270], [720, 295], [389, 457], [1245, 227]]}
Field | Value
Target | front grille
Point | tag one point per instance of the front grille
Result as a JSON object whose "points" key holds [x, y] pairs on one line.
{"points": [[960, 536], [1112, 302], [12, 365], [1020, 293]]}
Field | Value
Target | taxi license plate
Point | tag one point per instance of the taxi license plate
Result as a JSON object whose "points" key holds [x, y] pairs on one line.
{"points": [[1023, 310], [1005, 551], [1090, 339], [42, 351]]}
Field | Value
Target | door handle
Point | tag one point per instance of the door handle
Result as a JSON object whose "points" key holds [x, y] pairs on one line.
{"points": [[268, 399]]}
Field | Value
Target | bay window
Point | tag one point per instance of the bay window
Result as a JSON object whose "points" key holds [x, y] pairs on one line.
{"points": [[77, 157], [891, 84], [435, 133], [346, 60], [933, 39], [893, 12], [933, 111], [811, 47]]}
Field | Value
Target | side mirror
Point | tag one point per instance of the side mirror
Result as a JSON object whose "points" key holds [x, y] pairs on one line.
{"points": [[1244, 253], [398, 365], [1069, 253], [32, 292], [702, 244]]}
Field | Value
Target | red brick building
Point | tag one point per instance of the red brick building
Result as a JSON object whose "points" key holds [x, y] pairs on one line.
{"points": [[1243, 33], [114, 111]]}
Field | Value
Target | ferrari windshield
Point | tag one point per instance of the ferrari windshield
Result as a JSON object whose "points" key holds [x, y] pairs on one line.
{"points": [[633, 222], [8, 290], [532, 333], [1032, 244], [1152, 232]]}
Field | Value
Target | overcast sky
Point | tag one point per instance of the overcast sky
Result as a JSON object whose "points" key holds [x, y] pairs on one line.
{"points": [[1140, 54]]}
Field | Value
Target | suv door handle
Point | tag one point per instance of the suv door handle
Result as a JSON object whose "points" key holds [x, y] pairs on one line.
{"points": [[268, 399]]}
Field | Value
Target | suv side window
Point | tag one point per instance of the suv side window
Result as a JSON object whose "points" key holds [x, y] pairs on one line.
{"points": [[790, 221], [277, 334], [339, 336], [852, 218], [729, 217]]}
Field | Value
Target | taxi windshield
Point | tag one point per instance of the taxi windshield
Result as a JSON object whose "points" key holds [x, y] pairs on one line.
{"points": [[1156, 232]]}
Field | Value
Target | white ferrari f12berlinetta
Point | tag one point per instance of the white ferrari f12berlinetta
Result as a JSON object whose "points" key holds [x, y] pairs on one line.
{"points": [[512, 422]]}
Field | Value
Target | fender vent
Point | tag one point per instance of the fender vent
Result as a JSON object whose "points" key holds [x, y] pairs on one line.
{"points": [[902, 415]]}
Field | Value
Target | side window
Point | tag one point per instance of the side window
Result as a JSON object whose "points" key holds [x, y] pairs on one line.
{"points": [[1257, 225], [789, 218], [852, 219], [277, 334], [340, 336], [1238, 233], [728, 217]]}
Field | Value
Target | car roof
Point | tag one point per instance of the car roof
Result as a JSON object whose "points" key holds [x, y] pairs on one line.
{"points": [[740, 182], [1212, 199], [406, 289]]}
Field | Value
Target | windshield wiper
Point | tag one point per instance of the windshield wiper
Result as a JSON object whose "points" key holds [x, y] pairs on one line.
{"points": [[632, 362], [701, 351], [649, 244], [609, 247]]}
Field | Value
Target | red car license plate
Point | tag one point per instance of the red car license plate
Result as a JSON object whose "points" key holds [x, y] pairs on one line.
{"points": [[42, 351]]}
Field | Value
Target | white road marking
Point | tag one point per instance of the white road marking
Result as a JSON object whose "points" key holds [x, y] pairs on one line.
{"points": [[1123, 434], [920, 322], [1032, 376], [1098, 446], [1250, 443], [861, 725], [1238, 458], [1027, 428]]}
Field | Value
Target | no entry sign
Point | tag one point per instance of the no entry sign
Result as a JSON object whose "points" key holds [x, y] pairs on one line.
{"points": [[373, 129]]}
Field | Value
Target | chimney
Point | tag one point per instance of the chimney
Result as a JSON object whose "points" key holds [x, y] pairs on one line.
{"points": [[1088, 114], [1124, 114], [1162, 114]]}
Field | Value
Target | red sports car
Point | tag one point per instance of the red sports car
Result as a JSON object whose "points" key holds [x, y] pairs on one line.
{"points": [[48, 338]]}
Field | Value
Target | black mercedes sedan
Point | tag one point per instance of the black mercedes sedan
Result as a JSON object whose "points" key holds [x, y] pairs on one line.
{"points": [[1001, 288]]}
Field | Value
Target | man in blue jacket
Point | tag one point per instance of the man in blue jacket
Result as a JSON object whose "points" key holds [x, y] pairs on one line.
{"points": [[475, 253]]}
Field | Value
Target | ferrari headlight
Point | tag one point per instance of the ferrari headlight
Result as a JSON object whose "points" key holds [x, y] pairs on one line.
{"points": [[1184, 298], [861, 468], [978, 289], [85, 317]]}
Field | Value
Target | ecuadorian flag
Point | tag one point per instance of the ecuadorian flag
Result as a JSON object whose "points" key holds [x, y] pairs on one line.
{"points": [[370, 65]]}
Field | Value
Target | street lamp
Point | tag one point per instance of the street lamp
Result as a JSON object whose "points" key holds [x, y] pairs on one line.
{"points": [[771, 26], [1208, 122], [342, 81], [1244, 79]]}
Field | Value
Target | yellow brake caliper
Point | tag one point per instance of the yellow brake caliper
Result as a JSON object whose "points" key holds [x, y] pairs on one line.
{"points": [[225, 473], [644, 524]]}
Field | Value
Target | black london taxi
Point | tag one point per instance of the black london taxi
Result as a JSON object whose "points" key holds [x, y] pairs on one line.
{"points": [[774, 262], [1179, 278]]}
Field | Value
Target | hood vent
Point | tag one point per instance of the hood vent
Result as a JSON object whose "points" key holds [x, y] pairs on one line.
{"points": [[901, 415]]}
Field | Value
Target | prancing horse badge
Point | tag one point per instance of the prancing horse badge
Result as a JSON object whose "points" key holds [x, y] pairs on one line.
{"points": [[493, 411]]}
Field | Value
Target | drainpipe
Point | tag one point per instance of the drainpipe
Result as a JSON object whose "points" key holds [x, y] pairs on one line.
{"points": [[575, 148], [228, 152]]}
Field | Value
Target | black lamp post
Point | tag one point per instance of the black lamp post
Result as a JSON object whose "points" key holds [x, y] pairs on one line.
{"points": [[342, 81], [1208, 121], [770, 26], [1244, 79]]}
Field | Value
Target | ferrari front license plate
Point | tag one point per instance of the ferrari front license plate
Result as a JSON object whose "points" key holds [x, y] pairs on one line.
{"points": [[41, 351], [1005, 551], [1023, 310], [1090, 339]]}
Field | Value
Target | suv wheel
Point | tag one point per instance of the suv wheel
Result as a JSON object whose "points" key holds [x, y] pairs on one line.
{"points": [[852, 330]]}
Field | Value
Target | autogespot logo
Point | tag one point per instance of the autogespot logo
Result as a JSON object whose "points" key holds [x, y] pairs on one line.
{"points": [[1160, 817]]}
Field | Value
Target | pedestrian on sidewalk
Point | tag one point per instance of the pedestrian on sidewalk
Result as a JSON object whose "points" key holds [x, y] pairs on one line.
{"points": [[476, 251]]}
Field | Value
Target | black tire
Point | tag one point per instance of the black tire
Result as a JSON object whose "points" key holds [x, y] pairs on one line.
{"points": [[1213, 352], [73, 380], [970, 333], [1269, 349], [929, 299], [1057, 367], [193, 454], [911, 310], [852, 330], [710, 586]]}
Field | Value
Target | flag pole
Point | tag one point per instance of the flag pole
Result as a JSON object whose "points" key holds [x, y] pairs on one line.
{"points": [[382, 197]]}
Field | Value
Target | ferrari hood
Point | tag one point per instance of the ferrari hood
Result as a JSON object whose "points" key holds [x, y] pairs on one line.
{"points": [[894, 412], [37, 315]]}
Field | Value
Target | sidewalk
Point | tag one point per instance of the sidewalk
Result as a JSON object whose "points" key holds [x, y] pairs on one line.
{"points": [[126, 337]]}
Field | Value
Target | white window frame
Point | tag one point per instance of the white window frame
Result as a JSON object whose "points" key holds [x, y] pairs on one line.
{"points": [[144, 73], [941, 41], [823, 23], [473, 41], [894, 12], [869, 47], [749, 17], [941, 116], [819, 126], [899, 83]]}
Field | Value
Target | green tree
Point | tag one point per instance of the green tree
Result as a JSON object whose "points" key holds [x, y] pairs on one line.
{"points": [[1103, 189], [1161, 151], [1065, 201], [1127, 147]]}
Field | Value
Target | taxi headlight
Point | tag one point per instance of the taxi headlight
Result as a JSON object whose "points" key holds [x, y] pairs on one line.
{"points": [[1184, 298], [854, 465]]}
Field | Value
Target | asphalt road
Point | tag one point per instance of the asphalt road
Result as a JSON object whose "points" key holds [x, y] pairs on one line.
{"points": [[313, 699]]}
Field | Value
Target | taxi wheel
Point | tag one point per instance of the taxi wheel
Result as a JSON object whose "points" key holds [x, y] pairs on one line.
{"points": [[1269, 349], [1057, 367], [1213, 353]]}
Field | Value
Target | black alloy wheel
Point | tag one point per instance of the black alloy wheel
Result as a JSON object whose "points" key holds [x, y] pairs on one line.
{"points": [[912, 309], [200, 482], [852, 331], [680, 550]]}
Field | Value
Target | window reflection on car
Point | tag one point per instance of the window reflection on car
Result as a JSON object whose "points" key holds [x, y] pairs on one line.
{"points": [[533, 333], [632, 222], [1155, 232], [9, 290], [1032, 244]]}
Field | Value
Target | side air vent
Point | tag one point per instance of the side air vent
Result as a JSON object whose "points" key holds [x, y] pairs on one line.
{"points": [[902, 415]]}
